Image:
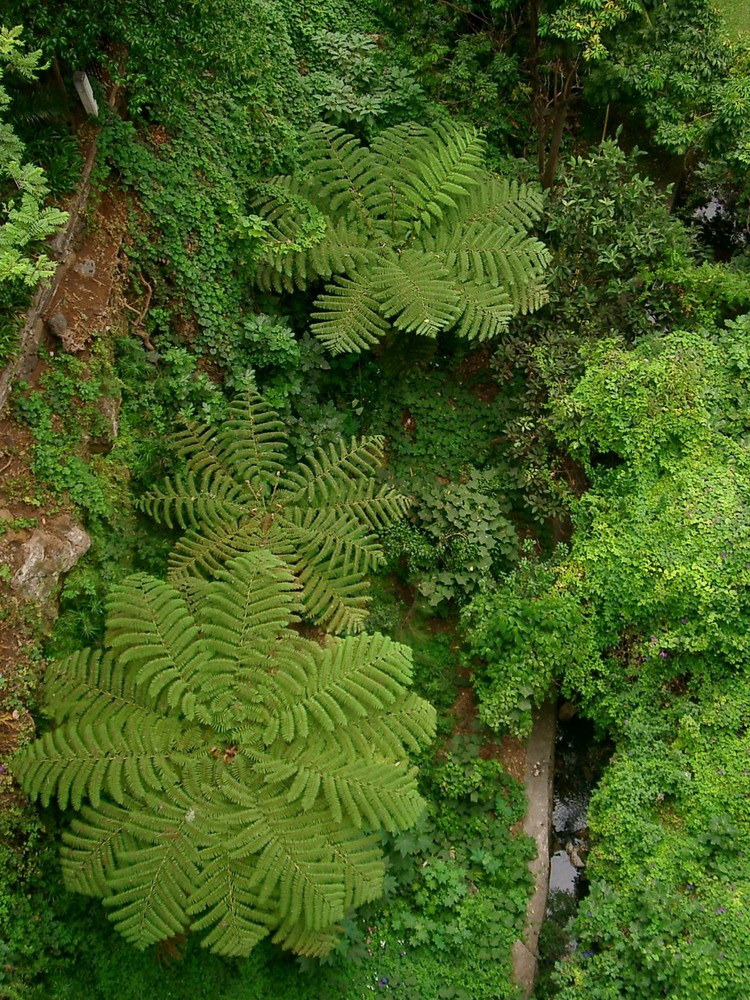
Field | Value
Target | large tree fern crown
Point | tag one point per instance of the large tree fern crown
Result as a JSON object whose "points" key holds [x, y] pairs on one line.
{"points": [[230, 775], [418, 236], [321, 517]]}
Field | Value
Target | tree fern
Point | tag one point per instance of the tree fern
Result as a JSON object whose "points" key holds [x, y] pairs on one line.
{"points": [[320, 517], [409, 222], [230, 775]]}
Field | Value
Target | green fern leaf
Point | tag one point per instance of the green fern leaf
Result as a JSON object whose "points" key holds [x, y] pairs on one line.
{"points": [[415, 292], [233, 915], [347, 317]]}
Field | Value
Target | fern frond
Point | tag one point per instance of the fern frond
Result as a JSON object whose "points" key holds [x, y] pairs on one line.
{"points": [[235, 919], [252, 442], [204, 552], [338, 163], [251, 603], [150, 626], [366, 794], [189, 501], [498, 202], [416, 294], [153, 881], [128, 750], [429, 170], [487, 310], [305, 941], [91, 846], [86, 683], [359, 675], [347, 317]]}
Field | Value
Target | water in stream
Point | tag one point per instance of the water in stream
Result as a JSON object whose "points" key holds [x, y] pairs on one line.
{"points": [[579, 761]]}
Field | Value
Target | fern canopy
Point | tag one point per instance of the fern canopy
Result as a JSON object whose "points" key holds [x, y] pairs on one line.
{"points": [[321, 517], [419, 236], [230, 775]]}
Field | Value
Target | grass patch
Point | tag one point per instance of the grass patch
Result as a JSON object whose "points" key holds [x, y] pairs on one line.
{"points": [[736, 14]]}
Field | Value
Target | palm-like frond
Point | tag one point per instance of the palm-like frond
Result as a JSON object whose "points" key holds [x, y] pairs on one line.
{"points": [[320, 516], [242, 796]]}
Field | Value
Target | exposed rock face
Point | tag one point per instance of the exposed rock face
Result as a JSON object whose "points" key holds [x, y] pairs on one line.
{"points": [[48, 551]]}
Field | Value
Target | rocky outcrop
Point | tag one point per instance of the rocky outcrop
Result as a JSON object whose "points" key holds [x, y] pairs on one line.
{"points": [[39, 557]]}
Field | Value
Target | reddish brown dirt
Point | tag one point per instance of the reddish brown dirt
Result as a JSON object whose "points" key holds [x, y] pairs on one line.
{"points": [[85, 294], [89, 298]]}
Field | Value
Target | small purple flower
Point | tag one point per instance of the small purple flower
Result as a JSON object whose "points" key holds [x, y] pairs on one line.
{"points": [[724, 555], [721, 909], [683, 621], [653, 639], [663, 654], [719, 770]]}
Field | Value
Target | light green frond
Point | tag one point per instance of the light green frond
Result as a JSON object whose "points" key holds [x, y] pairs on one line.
{"points": [[128, 750], [338, 162], [307, 881], [352, 678], [429, 169], [252, 442], [233, 916], [153, 881], [343, 249], [497, 202], [347, 317], [360, 860], [322, 474], [487, 311], [408, 727], [253, 600], [86, 683], [90, 848], [204, 552], [367, 794], [304, 941], [328, 568], [415, 292], [151, 630], [190, 500], [522, 267]]}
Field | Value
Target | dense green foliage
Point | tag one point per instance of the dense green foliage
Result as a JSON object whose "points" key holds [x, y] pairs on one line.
{"points": [[529, 370]]}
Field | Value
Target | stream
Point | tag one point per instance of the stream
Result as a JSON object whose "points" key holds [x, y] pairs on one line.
{"points": [[580, 760]]}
